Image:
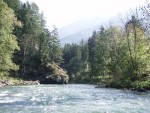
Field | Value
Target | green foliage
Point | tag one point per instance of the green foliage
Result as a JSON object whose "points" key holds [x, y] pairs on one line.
{"points": [[54, 45], [44, 51], [91, 45], [121, 54], [76, 60], [8, 43], [141, 85], [14, 4], [38, 45], [101, 53], [36, 42]]}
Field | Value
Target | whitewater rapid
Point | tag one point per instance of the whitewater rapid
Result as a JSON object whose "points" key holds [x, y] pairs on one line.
{"points": [[71, 99]]}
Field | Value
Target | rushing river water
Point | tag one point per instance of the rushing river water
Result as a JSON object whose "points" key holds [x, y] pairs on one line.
{"points": [[71, 99]]}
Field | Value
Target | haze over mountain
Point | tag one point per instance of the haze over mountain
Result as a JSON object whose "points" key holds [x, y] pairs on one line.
{"points": [[83, 29], [75, 32]]}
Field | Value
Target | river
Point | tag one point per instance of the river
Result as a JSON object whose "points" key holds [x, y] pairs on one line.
{"points": [[71, 99]]}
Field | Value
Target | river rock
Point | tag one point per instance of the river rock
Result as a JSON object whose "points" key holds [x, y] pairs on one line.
{"points": [[31, 82], [54, 75], [5, 83]]}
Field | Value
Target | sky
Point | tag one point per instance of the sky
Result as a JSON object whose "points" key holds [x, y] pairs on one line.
{"points": [[64, 12]]}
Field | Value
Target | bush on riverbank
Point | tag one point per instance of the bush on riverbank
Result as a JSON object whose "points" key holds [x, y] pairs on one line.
{"points": [[127, 83], [109, 81], [145, 85]]}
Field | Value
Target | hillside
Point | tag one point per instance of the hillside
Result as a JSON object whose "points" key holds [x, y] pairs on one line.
{"points": [[75, 32]]}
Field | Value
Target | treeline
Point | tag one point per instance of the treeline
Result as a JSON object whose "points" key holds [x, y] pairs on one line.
{"points": [[115, 56], [26, 45]]}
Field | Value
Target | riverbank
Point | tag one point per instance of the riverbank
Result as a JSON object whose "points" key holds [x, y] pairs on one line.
{"points": [[11, 81], [51, 74], [141, 85], [100, 82]]}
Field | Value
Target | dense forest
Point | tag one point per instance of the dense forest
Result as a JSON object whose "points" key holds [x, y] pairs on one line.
{"points": [[115, 56], [26, 45]]}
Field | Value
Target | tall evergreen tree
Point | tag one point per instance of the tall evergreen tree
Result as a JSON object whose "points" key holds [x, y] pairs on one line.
{"points": [[91, 44], [101, 53], [55, 50]]}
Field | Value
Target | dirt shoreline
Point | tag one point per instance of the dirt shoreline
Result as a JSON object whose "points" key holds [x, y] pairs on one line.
{"points": [[19, 82]]}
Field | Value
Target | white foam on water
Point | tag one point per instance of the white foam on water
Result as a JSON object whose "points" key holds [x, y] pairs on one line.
{"points": [[8, 100], [3, 94], [18, 95]]}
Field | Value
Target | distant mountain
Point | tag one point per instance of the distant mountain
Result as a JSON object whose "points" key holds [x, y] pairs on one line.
{"points": [[79, 30], [78, 36]]}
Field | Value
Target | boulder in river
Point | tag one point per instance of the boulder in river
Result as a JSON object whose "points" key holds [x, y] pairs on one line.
{"points": [[54, 75]]}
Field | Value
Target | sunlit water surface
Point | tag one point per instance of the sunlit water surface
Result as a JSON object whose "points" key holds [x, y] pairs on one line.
{"points": [[71, 99]]}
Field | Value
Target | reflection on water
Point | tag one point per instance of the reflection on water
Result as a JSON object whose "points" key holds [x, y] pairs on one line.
{"points": [[71, 99]]}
